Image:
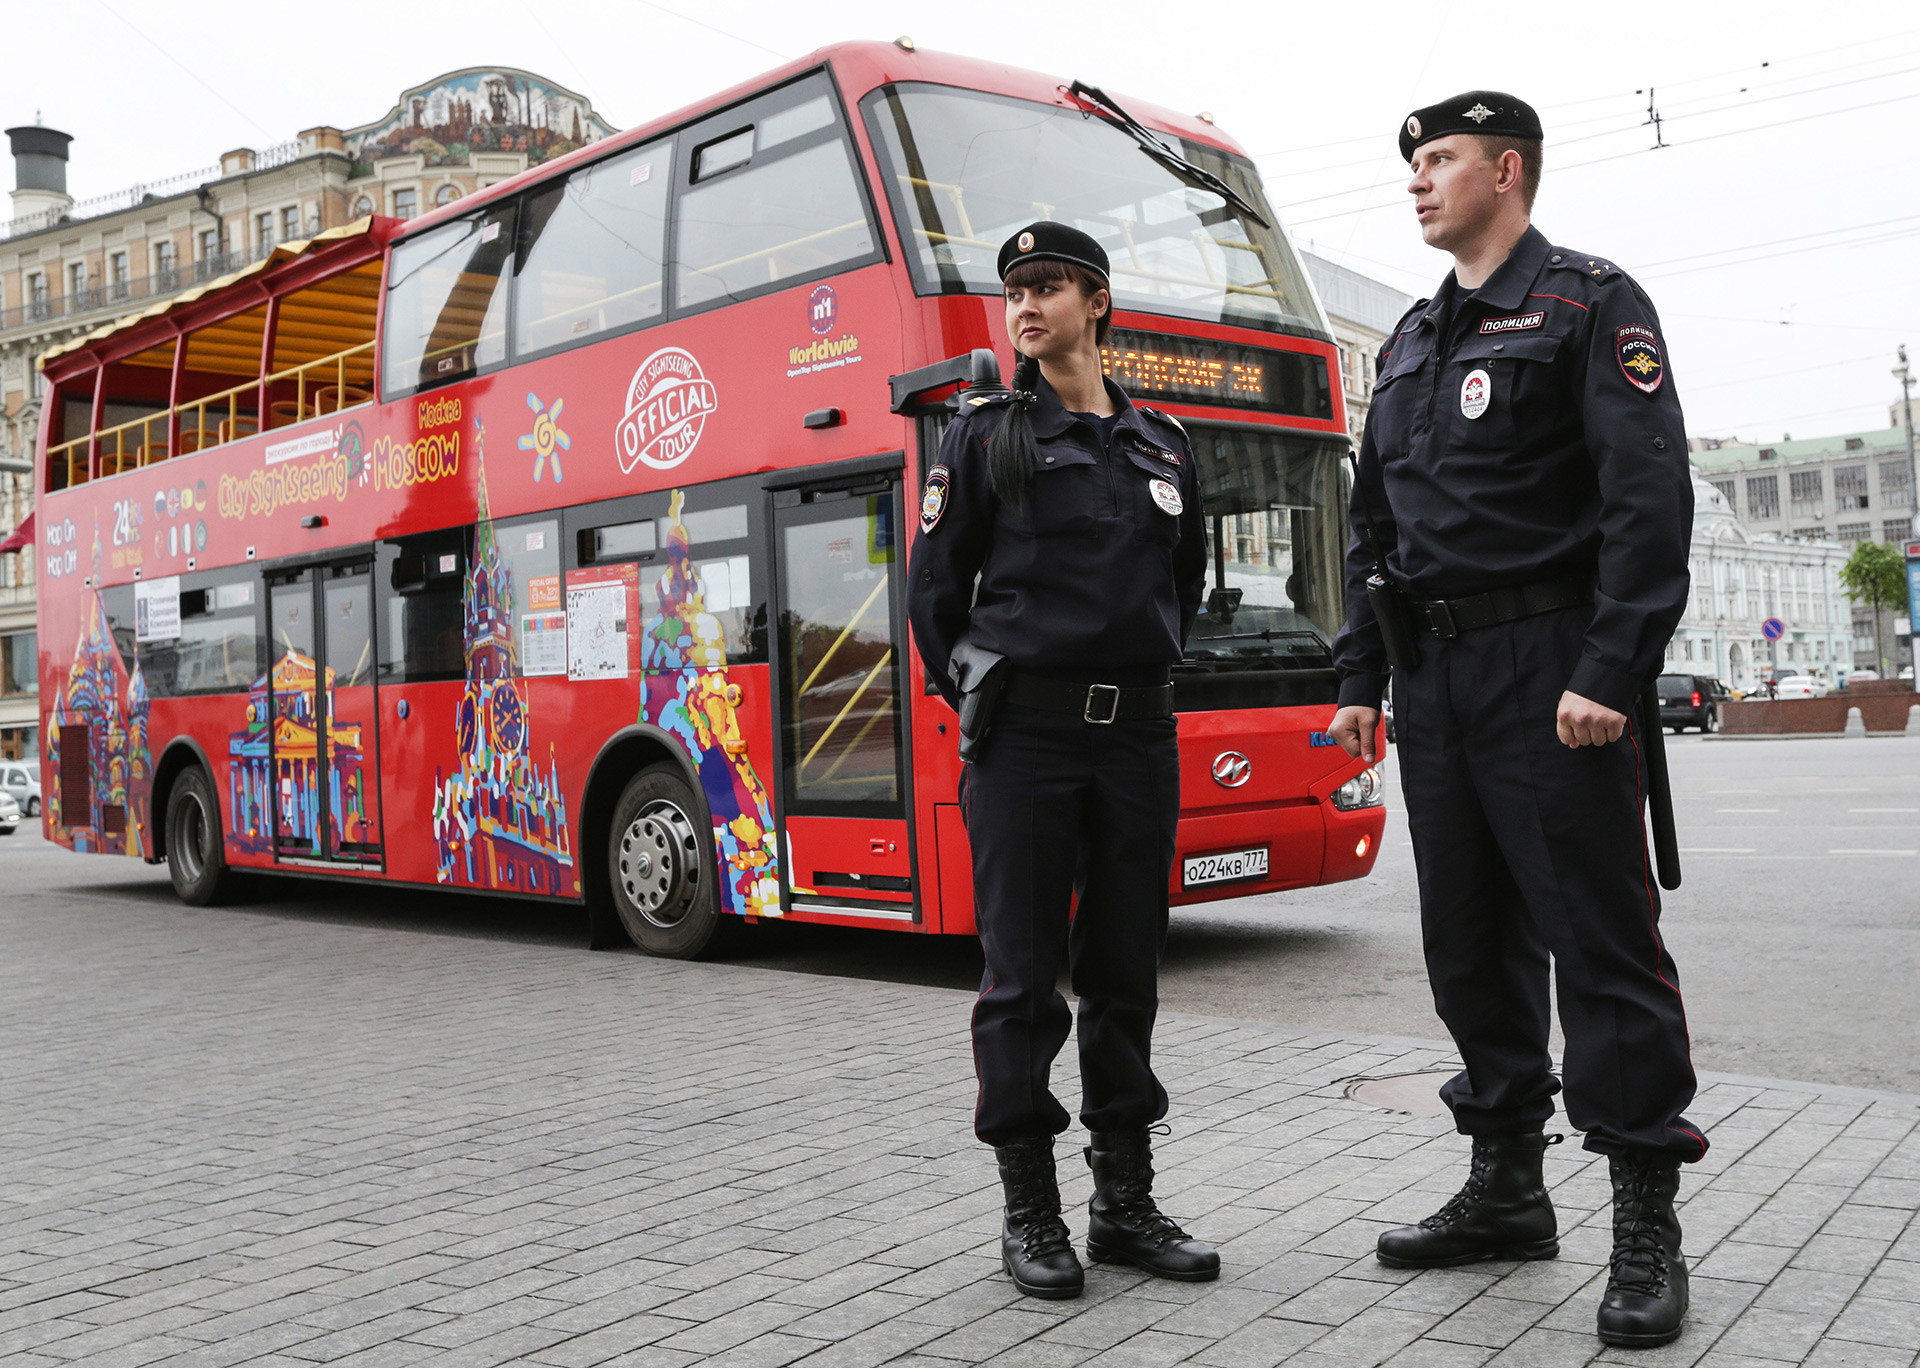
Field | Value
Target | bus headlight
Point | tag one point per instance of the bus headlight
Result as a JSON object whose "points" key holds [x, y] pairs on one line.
{"points": [[1366, 789]]}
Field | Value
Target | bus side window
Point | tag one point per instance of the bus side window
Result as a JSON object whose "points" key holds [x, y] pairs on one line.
{"points": [[770, 203], [447, 303], [218, 649], [422, 581], [593, 248], [529, 553]]}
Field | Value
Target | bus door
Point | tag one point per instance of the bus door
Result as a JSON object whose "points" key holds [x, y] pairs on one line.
{"points": [[324, 742], [839, 674]]}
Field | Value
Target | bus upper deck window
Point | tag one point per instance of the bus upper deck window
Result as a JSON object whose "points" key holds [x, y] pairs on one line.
{"points": [[446, 302]]}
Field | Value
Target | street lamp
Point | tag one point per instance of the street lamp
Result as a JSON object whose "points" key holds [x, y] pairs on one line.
{"points": [[1901, 373]]}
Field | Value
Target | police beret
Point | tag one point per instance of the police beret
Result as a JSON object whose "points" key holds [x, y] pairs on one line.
{"points": [[1049, 241], [1478, 111]]}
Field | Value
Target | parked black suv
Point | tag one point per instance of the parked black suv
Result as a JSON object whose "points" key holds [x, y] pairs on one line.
{"points": [[1691, 701]]}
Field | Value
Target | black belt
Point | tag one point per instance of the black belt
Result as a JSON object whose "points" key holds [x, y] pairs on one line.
{"points": [[1101, 703], [1448, 618]]}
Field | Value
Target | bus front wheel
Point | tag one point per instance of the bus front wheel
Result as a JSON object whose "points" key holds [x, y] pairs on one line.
{"points": [[660, 866], [196, 858]]}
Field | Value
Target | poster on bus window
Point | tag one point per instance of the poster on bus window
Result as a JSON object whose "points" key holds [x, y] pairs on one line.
{"points": [[156, 610], [543, 629], [603, 622]]}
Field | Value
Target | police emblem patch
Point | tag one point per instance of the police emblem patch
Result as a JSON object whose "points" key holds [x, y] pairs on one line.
{"points": [[1639, 353], [933, 502], [1166, 496], [1476, 393]]}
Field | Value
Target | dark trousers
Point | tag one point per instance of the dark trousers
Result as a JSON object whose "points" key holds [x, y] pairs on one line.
{"points": [[1056, 803], [1529, 850]]}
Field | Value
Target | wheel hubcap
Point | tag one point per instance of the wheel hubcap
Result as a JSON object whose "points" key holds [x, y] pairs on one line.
{"points": [[659, 860]]}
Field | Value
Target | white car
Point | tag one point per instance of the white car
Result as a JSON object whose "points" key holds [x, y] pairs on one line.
{"points": [[9, 813], [1801, 686], [21, 778], [1857, 676]]}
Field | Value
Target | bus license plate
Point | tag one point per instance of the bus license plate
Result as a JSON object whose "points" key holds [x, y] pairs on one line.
{"points": [[1228, 867]]}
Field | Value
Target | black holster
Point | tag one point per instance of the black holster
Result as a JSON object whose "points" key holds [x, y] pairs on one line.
{"points": [[981, 676], [1395, 616]]}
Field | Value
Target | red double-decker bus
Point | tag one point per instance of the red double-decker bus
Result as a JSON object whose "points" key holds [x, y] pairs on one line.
{"points": [[553, 544]]}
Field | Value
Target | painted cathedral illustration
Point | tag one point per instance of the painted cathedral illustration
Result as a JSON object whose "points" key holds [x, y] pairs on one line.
{"points": [[96, 749], [500, 820], [277, 769]]}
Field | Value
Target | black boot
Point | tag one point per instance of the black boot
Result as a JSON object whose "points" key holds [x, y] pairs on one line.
{"points": [[1502, 1212], [1034, 1244], [1646, 1297], [1125, 1226]]}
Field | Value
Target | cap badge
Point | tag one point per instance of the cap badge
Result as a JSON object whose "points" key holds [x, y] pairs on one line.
{"points": [[1479, 114], [1025, 242], [1476, 392], [1413, 126]]}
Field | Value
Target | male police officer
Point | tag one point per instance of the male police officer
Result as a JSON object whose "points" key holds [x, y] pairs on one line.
{"points": [[1523, 505]]}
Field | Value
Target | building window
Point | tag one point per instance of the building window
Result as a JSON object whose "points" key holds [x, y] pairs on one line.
{"points": [[121, 273], [446, 195], [406, 203], [263, 230], [1895, 530], [1753, 603], [76, 278], [19, 670], [1763, 496], [209, 244], [1849, 487], [362, 206], [290, 223], [1856, 443], [1815, 533], [1893, 482], [1852, 534], [1806, 494], [165, 270], [1768, 453], [1726, 488]]}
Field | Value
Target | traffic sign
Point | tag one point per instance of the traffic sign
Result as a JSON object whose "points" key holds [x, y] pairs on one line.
{"points": [[1773, 629]]}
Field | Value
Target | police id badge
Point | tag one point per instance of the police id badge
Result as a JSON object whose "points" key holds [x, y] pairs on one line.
{"points": [[1166, 496], [1639, 353]]}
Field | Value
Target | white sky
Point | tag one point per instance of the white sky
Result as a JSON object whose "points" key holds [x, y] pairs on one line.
{"points": [[1795, 336]]}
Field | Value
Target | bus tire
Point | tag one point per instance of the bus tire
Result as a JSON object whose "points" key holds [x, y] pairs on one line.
{"points": [[660, 866], [196, 850]]}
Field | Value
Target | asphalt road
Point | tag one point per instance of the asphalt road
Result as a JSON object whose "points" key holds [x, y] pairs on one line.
{"points": [[1797, 930]]}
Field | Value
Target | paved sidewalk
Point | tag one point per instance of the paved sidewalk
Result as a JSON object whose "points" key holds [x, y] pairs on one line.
{"points": [[242, 1137]]}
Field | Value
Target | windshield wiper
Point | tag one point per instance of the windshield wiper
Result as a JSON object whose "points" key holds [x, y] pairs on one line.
{"points": [[1110, 113]]}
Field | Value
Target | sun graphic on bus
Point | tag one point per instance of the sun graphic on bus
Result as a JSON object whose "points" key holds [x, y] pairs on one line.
{"points": [[548, 438]]}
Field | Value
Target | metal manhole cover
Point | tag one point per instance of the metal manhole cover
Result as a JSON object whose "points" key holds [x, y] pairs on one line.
{"points": [[1417, 1094]]}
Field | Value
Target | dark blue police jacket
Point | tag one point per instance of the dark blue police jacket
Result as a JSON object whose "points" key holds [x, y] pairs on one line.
{"points": [[1525, 432], [1097, 577]]}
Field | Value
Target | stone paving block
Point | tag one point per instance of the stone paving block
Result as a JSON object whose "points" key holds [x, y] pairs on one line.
{"points": [[1490, 1321], [1880, 1320], [1837, 1353], [1788, 1335], [1540, 1347], [1745, 1262], [993, 1333]]}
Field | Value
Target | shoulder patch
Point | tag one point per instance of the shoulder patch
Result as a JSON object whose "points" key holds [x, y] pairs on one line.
{"points": [[933, 499], [1592, 267], [1412, 316], [1638, 351], [1163, 417]]}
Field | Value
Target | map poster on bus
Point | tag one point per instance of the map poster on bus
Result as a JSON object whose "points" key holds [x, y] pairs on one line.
{"points": [[603, 607]]}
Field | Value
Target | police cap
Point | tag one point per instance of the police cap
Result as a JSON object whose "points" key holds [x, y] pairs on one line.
{"points": [[1478, 111], [1049, 241]]}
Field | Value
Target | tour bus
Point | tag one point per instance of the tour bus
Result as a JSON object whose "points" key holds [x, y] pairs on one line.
{"points": [[552, 544]]}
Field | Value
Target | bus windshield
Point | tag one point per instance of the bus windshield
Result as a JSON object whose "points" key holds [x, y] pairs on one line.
{"points": [[966, 170]]}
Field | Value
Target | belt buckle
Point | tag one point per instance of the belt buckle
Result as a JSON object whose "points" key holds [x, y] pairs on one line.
{"points": [[1440, 618], [1112, 695]]}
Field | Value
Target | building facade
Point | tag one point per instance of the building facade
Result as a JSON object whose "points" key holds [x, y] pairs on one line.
{"points": [[1843, 489], [1363, 312], [1741, 578], [68, 267]]}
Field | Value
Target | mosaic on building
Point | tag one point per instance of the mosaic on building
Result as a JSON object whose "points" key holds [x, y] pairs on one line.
{"points": [[500, 820], [477, 110], [687, 692]]}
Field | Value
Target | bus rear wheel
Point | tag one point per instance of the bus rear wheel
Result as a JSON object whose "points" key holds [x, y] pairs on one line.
{"points": [[196, 856], [660, 866]]}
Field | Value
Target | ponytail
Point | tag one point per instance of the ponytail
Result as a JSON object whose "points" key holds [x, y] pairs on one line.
{"points": [[1011, 452]]}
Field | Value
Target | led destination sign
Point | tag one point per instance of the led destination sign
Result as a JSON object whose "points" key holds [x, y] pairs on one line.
{"points": [[1199, 371]]}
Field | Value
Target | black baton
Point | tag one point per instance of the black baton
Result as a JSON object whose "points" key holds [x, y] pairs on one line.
{"points": [[1666, 845]]}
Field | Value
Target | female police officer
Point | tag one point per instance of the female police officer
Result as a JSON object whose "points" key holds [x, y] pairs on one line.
{"points": [[1079, 515]]}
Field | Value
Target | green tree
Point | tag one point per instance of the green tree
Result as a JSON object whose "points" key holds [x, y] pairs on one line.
{"points": [[1876, 573]]}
